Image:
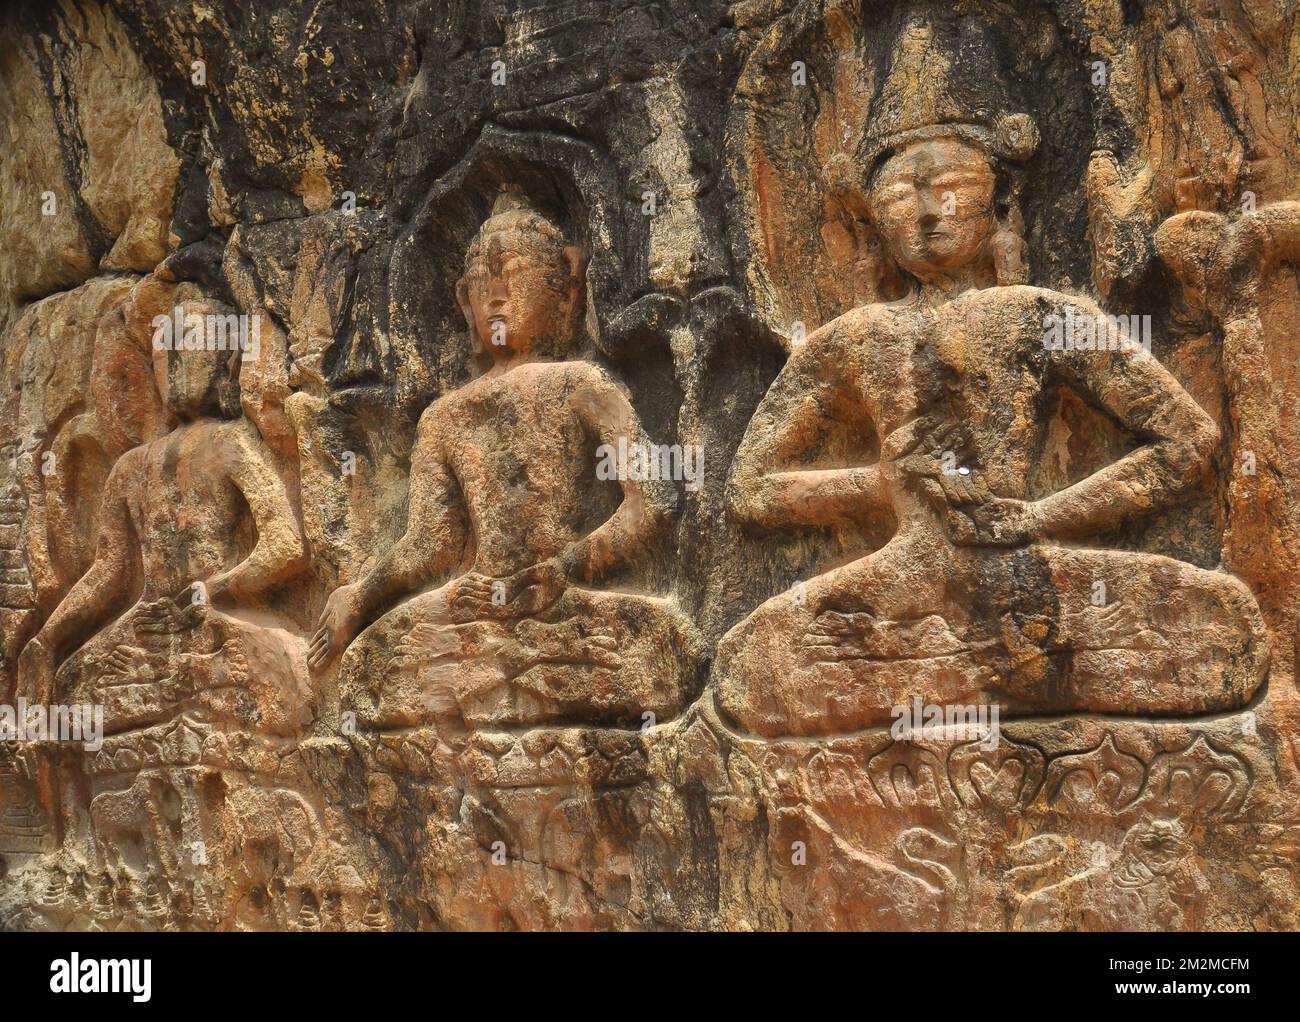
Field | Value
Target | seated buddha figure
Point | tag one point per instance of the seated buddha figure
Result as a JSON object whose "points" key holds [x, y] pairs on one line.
{"points": [[987, 591], [199, 525], [510, 528]]}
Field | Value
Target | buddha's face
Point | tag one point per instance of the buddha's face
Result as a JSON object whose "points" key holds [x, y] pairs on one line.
{"points": [[187, 379], [516, 289], [933, 206]]}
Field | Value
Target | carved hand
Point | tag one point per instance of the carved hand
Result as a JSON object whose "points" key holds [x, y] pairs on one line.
{"points": [[336, 627], [928, 450], [536, 588], [523, 594], [933, 451], [170, 615], [994, 521]]}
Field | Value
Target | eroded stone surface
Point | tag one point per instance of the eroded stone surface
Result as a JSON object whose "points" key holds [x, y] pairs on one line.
{"points": [[622, 466]]}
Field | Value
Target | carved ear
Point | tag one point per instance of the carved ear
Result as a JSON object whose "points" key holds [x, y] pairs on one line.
{"points": [[228, 390], [576, 260], [462, 299]]}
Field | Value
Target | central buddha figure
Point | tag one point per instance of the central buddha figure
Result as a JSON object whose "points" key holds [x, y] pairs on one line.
{"points": [[976, 597], [508, 520]]}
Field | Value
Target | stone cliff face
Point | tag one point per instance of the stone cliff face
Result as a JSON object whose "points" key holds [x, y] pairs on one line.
{"points": [[780, 464]]}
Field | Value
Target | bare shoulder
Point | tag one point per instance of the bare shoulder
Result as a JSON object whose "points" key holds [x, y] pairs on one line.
{"points": [[847, 340], [228, 445], [1026, 298], [227, 434], [583, 375], [130, 464], [441, 410]]}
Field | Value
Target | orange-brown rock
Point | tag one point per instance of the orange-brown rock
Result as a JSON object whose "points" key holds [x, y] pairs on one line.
{"points": [[773, 465]]}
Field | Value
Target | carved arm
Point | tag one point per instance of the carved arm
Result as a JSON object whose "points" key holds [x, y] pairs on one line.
{"points": [[812, 392], [1141, 394]]}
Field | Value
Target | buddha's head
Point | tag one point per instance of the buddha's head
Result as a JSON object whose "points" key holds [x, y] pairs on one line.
{"points": [[933, 183], [522, 285], [195, 381]]}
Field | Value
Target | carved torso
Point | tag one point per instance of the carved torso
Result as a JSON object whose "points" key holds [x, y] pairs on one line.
{"points": [[524, 462], [185, 511]]}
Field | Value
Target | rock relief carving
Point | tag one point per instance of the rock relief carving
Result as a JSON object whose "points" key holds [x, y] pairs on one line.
{"points": [[976, 597], [502, 521], [530, 751]]}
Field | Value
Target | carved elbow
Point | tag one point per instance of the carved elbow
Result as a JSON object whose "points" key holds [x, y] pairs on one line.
{"points": [[738, 504], [294, 557], [746, 502], [1193, 451], [300, 560]]}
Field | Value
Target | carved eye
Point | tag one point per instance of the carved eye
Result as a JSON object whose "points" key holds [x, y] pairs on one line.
{"points": [[895, 193], [953, 182]]}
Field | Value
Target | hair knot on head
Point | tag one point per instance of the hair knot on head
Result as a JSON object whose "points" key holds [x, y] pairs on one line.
{"points": [[513, 210], [512, 200], [548, 275]]}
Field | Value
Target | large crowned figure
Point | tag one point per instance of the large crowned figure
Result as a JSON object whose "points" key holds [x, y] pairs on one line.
{"points": [[987, 591]]}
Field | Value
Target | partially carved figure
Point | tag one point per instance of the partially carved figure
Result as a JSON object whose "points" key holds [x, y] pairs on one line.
{"points": [[948, 374], [200, 525], [1232, 273], [504, 500]]}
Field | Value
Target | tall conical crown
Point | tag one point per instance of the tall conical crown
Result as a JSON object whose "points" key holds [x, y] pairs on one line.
{"points": [[945, 81]]}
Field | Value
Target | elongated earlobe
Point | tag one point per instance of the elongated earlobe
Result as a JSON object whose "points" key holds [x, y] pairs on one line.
{"points": [[228, 391], [577, 263], [462, 299], [1010, 258]]}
